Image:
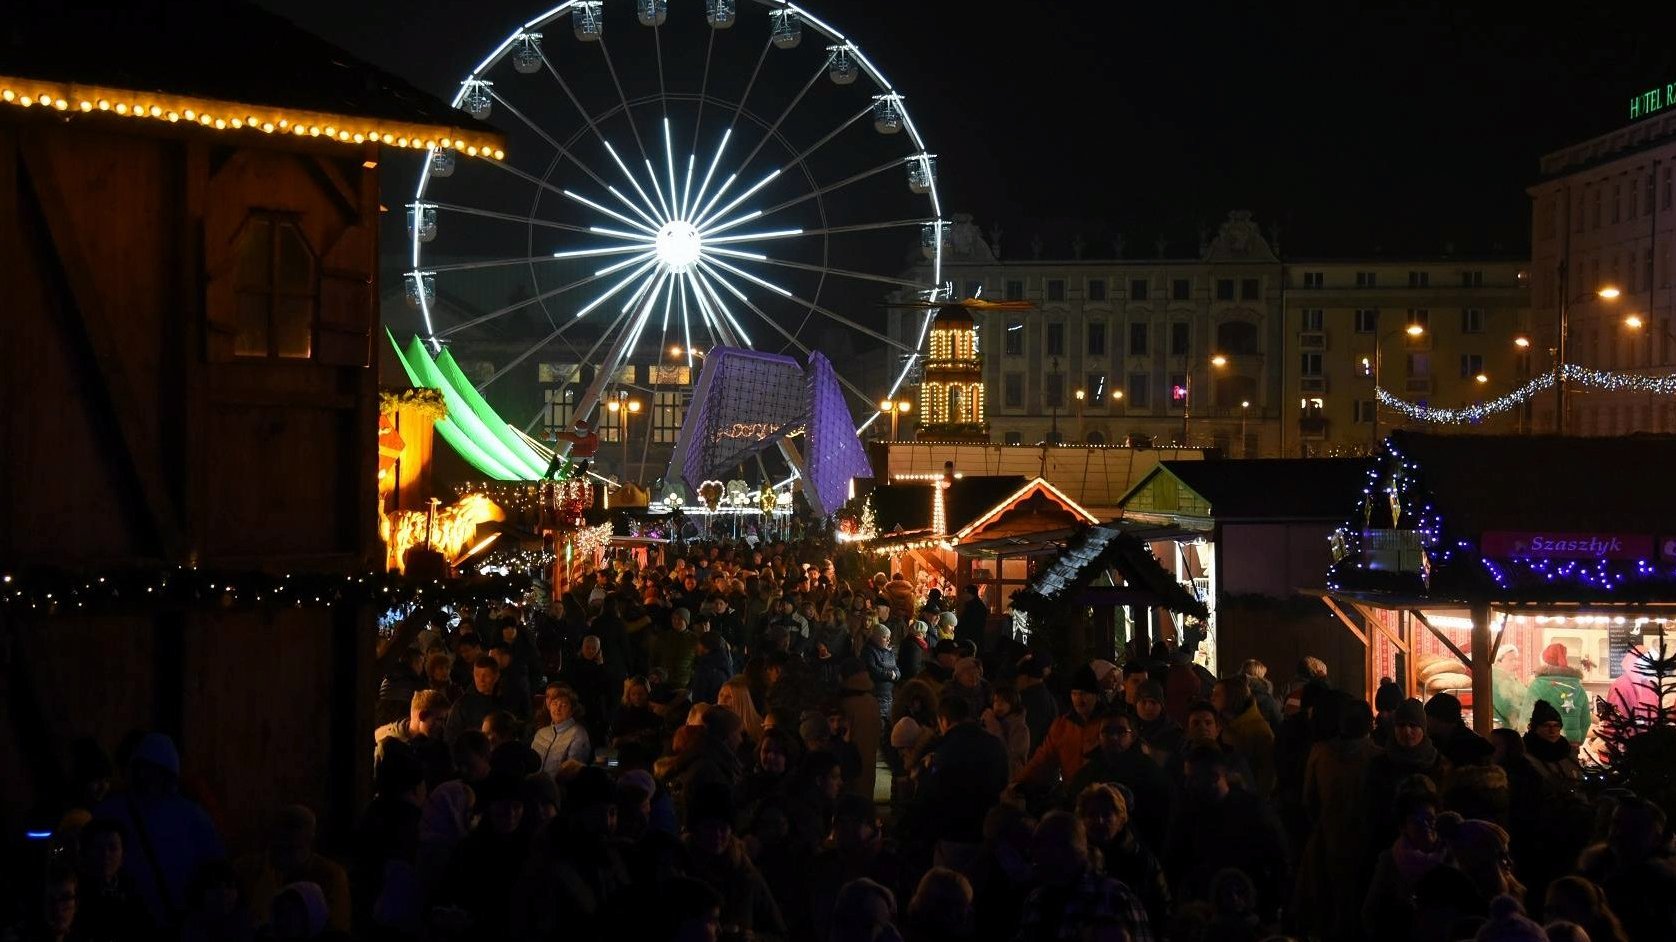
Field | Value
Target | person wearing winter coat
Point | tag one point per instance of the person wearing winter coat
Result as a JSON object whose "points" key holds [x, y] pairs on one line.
{"points": [[712, 668], [716, 857], [1245, 729], [1507, 691], [1388, 906], [1560, 684], [1410, 753], [966, 774], [1634, 691], [914, 650], [1552, 753], [1330, 887], [881, 667], [1104, 812], [1122, 761], [1004, 719], [1070, 738], [861, 715]]}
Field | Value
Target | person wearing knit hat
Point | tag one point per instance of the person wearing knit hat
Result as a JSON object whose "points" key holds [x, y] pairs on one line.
{"points": [[1560, 684], [1162, 735], [1547, 748], [1070, 737], [1106, 672], [1409, 753]]}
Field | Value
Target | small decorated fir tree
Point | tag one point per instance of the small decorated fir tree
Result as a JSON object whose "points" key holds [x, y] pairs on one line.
{"points": [[1637, 724]]}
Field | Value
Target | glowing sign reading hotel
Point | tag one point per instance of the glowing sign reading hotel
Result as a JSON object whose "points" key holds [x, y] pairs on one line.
{"points": [[1653, 100]]}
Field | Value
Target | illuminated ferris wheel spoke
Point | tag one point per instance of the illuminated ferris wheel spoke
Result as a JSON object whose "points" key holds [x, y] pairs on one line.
{"points": [[714, 159], [650, 255], [721, 305], [627, 112], [753, 236], [713, 229], [711, 314], [540, 345], [686, 324], [650, 231], [632, 179], [608, 250], [634, 275], [819, 309], [705, 219], [687, 189], [559, 148]]}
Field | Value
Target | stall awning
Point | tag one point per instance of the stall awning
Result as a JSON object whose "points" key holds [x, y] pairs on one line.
{"points": [[1106, 548]]}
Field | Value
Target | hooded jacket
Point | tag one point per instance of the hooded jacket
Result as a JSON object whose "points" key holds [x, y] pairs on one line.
{"points": [[1563, 687]]}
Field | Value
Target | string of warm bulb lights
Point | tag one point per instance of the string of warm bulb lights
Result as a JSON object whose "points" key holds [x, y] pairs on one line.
{"points": [[231, 116], [1574, 374]]}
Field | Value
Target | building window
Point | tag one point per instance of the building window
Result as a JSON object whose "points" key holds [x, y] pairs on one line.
{"points": [[1224, 289], [1472, 320], [1053, 390], [1315, 279], [1420, 316], [1055, 340], [1419, 279], [1181, 289], [1250, 289], [1014, 345], [1367, 279], [1471, 365], [1096, 289], [557, 407], [1097, 338], [1664, 200], [1178, 389], [1647, 202], [1095, 390], [1137, 340], [1419, 364], [668, 411], [1137, 289], [1140, 391], [1364, 410], [1015, 290], [1012, 390], [1594, 210], [1181, 336], [1236, 337], [1015, 438], [1310, 365], [1472, 279], [1367, 320], [1056, 289], [274, 288], [1617, 201], [1312, 319]]}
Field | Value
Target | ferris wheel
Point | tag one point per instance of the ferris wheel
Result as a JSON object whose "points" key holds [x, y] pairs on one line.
{"points": [[739, 174]]}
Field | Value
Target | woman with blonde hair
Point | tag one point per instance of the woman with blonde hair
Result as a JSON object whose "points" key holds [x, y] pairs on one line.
{"points": [[736, 696]]}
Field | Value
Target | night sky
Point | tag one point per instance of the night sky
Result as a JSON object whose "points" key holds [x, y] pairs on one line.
{"points": [[1400, 130]]}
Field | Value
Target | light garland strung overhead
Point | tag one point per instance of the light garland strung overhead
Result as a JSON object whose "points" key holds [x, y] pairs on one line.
{"points": [[1575, 374]]}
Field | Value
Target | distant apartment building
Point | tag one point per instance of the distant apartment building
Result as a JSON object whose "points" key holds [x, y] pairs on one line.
{"points": [[1602, 218], [1236, 348]]}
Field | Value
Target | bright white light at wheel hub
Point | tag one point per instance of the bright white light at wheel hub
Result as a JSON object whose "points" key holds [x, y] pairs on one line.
{"points": [[678, 245]]}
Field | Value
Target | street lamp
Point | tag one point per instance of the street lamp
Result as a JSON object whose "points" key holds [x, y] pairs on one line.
{"points": [[624, 407], [896, 408], [1245, 411], [1216, 360], [1081, 394], [1412, 330]]}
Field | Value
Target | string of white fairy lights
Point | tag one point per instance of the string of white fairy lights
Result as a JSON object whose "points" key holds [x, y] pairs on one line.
{"points": [[1575, 374]]}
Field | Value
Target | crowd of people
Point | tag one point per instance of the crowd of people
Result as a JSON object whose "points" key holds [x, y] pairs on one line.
{"points": [[730, 742]]}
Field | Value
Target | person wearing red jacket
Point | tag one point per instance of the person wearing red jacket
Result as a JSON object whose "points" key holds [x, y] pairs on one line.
{"points": [[1071, 737]]}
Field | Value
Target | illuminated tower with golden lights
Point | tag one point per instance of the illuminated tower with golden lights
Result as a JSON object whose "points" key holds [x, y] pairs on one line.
{"points": [[951, 395]]}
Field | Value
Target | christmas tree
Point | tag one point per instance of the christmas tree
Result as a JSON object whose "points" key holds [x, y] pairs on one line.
{"points": [[1638, 726]]}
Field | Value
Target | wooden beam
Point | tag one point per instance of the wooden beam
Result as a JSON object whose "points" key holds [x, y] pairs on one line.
{"points": [[1483, 682], [1452, 646], [1373, 619], [113, 390], [1344, 619], [1495, 649], [933, 561]]}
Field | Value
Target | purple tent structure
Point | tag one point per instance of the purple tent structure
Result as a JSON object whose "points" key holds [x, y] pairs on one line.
{"points": [[747, 401]]}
